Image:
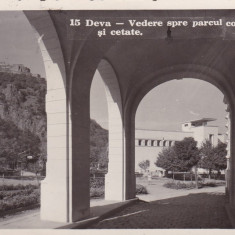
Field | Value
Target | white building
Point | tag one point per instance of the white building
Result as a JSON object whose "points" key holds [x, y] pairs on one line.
{"points": [[149, 143]]}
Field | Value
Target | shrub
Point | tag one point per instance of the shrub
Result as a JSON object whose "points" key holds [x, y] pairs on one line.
{"points": [[96, 192], [97, 182], [140, 189], [212, 183], [99, 191], [9, 194], [180, 185], [20, 201]]}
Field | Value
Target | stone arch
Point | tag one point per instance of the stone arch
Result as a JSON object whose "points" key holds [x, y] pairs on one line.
{"points": [[178, 72], [80, 85]]}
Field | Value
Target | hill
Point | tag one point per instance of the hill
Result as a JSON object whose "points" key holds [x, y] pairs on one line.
{"points": [[22, 102], [23, 120], [98, 146]]}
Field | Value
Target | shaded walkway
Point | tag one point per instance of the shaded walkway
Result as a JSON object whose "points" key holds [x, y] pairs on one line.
{"points": [[201, 210]]}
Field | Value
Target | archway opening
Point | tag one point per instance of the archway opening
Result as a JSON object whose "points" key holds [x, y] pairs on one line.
{"points": [[180, 109], [98, 138], [108, 113]]}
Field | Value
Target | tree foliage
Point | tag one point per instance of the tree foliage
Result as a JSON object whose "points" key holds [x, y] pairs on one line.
{"points": [[220, 160], [213, 158], [180, 157], [14, 141], [144, 165], [207, 156]]}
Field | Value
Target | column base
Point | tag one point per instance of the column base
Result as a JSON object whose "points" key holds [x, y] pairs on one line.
{"points": [[114, 187], [54, 201]]}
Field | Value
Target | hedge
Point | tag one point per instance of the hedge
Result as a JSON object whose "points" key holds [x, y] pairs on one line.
{"points": [[18, 187], [8, 194], [180, 185], [20, 201]]}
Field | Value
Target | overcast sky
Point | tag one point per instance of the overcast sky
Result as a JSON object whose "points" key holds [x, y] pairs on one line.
{"points": [[164, 108], [18, 42]]}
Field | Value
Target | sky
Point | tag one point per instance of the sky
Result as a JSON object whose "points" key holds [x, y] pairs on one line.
{"points": [[18, 42], [169, 104]]}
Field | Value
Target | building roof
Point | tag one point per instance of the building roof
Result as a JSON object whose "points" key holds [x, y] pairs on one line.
{"points": [[202, 120]]}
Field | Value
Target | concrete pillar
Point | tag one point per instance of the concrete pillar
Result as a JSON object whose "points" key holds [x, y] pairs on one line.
{"points": [[231, 171], [54, 189], [79, 164], [129, 151], [114, 179]]}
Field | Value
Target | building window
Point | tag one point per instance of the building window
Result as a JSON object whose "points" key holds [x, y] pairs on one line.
{"points": [[142, 142], [149, 143]]}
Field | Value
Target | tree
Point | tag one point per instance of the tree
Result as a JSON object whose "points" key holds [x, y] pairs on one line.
{"points": [[167, 159], [180, 157], [187, 151], [213, 158], [144, 165], [220, 161], [207, 157]]}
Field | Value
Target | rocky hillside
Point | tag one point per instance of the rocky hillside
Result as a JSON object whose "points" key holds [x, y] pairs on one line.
{"points": [[22, 102], [22, 114], [98, 146]]}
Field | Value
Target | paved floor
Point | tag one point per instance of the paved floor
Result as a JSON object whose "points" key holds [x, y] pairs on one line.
{"points": [[161, 208], [30, 219], [168, 208]]}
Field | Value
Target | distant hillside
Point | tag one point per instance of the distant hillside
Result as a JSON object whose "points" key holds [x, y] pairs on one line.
{"points": [[98, 145], [22, 102], [22, 115], [14, 142]]}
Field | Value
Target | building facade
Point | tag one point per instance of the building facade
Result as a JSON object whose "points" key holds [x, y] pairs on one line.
{"points": [[149, 143]]}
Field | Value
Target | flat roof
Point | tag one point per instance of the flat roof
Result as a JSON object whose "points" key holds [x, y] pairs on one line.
{"points": [[201, 120]]}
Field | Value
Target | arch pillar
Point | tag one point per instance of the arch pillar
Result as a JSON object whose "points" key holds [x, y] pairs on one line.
{"points": [[228, 140], [129, 151], [231, 162], [79, 163], [54, 188], [114, 179]]}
